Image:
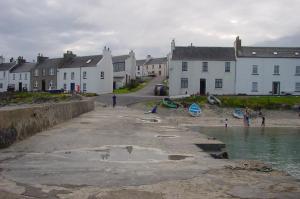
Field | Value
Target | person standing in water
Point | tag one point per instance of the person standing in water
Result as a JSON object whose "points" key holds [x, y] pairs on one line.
{"points": [[263, 121], [114, 98], [226, 123]]}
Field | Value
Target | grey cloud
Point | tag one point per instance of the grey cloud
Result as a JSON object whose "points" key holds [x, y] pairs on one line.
{"points": [[28, 27]]}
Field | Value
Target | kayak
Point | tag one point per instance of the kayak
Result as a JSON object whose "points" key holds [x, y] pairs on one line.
{"points": [[238, 113], [169, 103], [194, 110], [211, 100]]}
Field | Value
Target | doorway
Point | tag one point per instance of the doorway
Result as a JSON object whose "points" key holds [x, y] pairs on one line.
{"points": [[276, 88], [202, 86], [115, 85], [43, 85], [72, 86], [20, 87]]}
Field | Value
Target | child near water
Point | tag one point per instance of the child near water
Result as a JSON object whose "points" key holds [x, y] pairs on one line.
{"points": [[226, 123]]}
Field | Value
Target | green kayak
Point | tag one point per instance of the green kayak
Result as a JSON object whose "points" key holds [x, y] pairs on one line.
{"points": [[169, 103]]}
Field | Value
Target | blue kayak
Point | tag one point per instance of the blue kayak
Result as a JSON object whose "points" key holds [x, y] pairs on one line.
{"points": [[195, 110]]}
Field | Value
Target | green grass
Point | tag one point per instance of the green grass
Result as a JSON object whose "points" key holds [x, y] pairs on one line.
{"points": [[128, 90], [253, 102], [89, 94], [28, 98]]}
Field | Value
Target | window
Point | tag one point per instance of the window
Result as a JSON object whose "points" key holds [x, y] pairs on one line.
{"points": [[35, 84], [227, 67], [36, 72], [184, 83], [4, 74], [159, 66], [218, 83], [159, 73], [84, 87], [297, 70], [25, 86], [184, 66], [84, 75], [14, 76], [72, 75], [254, 86], [1, 85], [276, 70], [254, 70], [138, 67], [65, 76], [51, 71], [44, 72], [119, 66], [204, 66], [152, 66], [50, 84], [297, 87], [20, 76], [65, 87], [25, 76], [102, 75]]}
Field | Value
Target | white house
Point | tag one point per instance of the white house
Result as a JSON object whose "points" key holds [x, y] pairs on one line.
{"points": [[92, 74], [4, 73], [155, 66], [201, 70], [19, 75], [267, 70], [124, 69], [140, 67]]}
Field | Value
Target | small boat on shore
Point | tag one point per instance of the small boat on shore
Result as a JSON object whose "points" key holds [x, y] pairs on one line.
{"points": [[167, 102], [213, 100], [238, 113], [195, 110]]}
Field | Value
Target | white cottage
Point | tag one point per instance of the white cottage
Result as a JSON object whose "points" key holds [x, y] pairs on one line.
{"points": [[124, 69], [92, 74], [4, 73], [201, 70], [267, 70], [155, 67], [19, 76]]}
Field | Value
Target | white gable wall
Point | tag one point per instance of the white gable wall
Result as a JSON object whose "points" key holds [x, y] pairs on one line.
{"points": [[4, 75]]}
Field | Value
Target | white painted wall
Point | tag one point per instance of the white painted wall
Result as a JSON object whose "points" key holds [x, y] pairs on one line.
{"points": [[216, 70], [154, 69], [4, 76], [265, 77], [94, 83], [20, 77]]}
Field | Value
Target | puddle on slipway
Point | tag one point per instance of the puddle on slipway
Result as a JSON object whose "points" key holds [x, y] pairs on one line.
{"points": [[166, 136], [126, 154], [149, 120]]}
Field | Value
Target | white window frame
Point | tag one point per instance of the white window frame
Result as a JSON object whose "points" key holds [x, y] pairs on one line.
{"points": [[218, 83], [254, 69], [84, 74], [20, 76], [35, 84], [84, 86], [1, 85], [254, 87], [51, 71], [297, 70], [184, 83], [276, 70], [65, 87], [25, 76], [43, 72], [102, 75], [65, 76], [36, 72], [297, 87], [72, 75], [205, 66], [227, 67], [14, 76], [184, 66]]}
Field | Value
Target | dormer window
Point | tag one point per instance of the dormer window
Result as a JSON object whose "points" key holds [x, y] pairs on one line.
{"points": [[253, 53], [88, 61], [275, 53]]}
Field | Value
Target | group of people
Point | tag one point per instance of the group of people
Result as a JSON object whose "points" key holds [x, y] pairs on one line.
{"points": [[247, 117]]}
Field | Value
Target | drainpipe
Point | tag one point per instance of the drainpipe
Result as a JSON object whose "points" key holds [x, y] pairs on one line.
{"points": [[80, 79]]}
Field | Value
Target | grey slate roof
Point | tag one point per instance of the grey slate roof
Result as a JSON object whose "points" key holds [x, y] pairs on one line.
{"points": [[78, 62], [120, 58], [24, 67], [140, 62], [268, 52], [6, 66], [152, 61], [49, 63], [204, 53]]}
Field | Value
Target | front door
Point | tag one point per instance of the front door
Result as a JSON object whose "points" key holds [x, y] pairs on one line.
{"points": [[72, 86], [115, 85], [276, 88], [20, 86], [43, 85], [202, 86]]}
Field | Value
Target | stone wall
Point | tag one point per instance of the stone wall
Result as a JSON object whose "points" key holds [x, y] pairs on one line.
{"points": [[20, 123]]}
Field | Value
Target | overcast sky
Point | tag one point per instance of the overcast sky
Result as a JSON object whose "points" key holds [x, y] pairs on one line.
{"points": [[51, 27]]}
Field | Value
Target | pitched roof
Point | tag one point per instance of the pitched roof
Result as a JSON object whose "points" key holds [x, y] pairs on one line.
{"points": [[49, 63], [24, 67], [204, 53], [6, 66], [140, 62], [268, 52], [77, 62], [162, 60], [120, 58]]}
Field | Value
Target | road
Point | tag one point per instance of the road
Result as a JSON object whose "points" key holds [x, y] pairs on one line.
{"points": [[145, 94]]}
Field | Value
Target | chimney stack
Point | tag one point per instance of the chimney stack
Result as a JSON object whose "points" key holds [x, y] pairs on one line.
{"points": [[40, 58], [21, 60], [69, 55]]}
